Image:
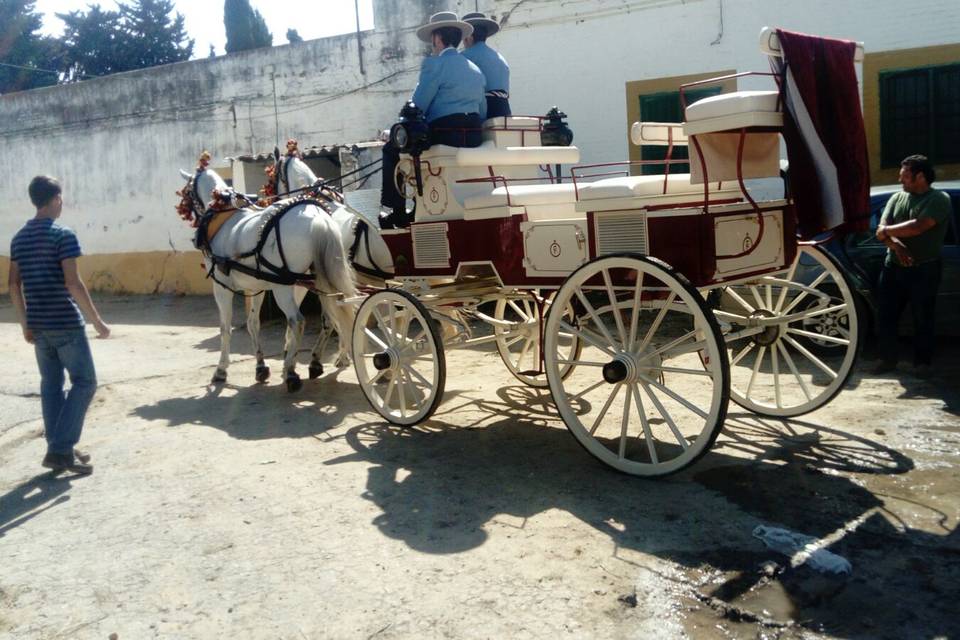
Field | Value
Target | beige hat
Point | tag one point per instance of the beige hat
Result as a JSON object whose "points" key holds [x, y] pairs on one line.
{"points": [[441, 20], [479, 19]]}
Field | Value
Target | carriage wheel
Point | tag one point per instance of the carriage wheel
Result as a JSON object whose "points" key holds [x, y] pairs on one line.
{"points": [[519, 346], [803, 359], [398, 357], [649, 390]]}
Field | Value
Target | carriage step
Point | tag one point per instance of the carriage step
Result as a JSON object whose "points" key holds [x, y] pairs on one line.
{"points": [[531, 373]]}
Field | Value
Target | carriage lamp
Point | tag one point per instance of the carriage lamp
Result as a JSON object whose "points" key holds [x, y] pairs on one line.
{"points": [[411, 134], [556, 132]]}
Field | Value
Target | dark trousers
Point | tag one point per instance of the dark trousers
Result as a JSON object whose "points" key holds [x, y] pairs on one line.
{"points": [[497, 107], [456, 130], [917, 285]]}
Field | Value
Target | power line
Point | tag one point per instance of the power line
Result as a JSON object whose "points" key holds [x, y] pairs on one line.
{"points": [[34, 69]]}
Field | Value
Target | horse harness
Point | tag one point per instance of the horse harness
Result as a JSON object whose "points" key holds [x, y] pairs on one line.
{"points": [[213, 219]]}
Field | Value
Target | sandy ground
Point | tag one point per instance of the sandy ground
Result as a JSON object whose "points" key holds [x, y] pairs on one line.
{"points": [[247, 512]]}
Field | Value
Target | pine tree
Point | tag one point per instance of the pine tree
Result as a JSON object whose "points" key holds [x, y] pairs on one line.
{"points": [[27, 57], [293, 36], [152, 36], [246, 28]]}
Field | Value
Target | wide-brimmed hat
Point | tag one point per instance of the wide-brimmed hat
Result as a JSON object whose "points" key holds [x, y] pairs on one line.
{"points": [[480, 20], [441, 20]]}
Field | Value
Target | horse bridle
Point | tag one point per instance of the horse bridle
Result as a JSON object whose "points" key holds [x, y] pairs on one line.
{"points": [[282, 173]]}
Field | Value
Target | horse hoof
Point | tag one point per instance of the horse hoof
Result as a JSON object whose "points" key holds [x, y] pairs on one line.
{"points": [[316, 370], [219, 377], [263, 373], [342, 362], [294, 383]]}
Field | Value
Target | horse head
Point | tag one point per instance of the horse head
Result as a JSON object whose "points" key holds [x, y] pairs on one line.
{"points": [[288, 172], [203, 187]]}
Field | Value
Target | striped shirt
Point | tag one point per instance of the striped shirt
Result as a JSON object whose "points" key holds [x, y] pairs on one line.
{"points": [[38, 249]]}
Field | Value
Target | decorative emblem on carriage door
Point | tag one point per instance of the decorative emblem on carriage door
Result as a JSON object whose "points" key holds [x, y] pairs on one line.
{"points": [[434, 194], [747, 243], [555, 249]]}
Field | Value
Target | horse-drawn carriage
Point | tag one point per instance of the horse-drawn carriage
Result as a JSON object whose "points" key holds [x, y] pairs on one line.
{"points": [[643, 302]]}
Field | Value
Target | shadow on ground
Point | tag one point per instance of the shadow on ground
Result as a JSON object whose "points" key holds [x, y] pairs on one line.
{"points": [[440, 486], [30, 499]]}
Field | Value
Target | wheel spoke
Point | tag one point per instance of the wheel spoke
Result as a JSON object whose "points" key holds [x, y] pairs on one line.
{"points": [[581, 363], [803, 294], [596, 320], [666, 416], [656, 323], [413, 387], [524, 352], [670, 345], [606, 407], [647, 432], [391, 386], [588, 338], [624, 424], [805, 315], [611, 296], [793, 369], [376, 377], [756, 296], [693, 408], [691, 372], [783, 290], [743, 352], [812, 358], [637, 292], [756, 368], [817, 336], [411, 373], [743, 303], [372, 336], [775, 362], [523, 316]]}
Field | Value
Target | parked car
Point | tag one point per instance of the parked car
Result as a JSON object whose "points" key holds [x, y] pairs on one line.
{"points": [[862, 255]]}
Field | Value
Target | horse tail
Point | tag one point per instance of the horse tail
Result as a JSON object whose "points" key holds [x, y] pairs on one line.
{"points": [[330, 262]]}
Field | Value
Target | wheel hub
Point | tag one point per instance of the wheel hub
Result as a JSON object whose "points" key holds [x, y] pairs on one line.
{"points": [[630, 368], [771, 333], [389, 359]]}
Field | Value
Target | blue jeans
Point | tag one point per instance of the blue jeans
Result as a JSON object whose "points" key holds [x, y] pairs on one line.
{"points": [[63, 414], [917, 286]]}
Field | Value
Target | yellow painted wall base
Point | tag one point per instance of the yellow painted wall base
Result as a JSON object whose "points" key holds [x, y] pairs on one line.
{"points": [[131, 273]]}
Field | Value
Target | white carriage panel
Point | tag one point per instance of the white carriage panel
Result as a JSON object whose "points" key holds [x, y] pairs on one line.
{"points": [[761, 156], [431, 246], [555, 247], [621, 232], [553, 211], [735, 234]]}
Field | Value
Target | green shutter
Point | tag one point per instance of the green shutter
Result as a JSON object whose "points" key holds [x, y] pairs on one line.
{"points": [[920, 113], [666, 107]]}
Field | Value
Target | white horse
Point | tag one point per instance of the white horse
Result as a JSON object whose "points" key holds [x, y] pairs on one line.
{"points": [[368, 253], [243, 240]]}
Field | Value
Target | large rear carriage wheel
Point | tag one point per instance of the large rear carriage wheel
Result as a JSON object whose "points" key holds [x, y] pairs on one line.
{"points": [[808, 346], [398, 356], [648, 393]]}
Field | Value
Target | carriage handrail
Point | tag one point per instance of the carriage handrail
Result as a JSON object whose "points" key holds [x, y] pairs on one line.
{"points": [[720, 79], [627, 163]]}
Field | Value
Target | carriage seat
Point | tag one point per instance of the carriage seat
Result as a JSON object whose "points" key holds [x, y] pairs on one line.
{"points": [[489, 155], [731, 111], [523, 196], [651, 187], [512, 131]]}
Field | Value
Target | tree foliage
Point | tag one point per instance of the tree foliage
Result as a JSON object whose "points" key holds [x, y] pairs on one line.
{"points": [[246, 28], [27, 56], [142, 33], [293, 36]]}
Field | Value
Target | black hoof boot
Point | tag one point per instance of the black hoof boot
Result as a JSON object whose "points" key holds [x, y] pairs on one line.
{"points": [[316, 369], [293, 382], [219, 377], [263, 373]]}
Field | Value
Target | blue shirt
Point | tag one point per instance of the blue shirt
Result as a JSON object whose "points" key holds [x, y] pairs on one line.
{"points": [[449, 83], [495, 69], [39, 248]]}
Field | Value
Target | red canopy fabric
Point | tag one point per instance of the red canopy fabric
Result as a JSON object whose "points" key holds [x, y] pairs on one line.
{"points": [[824, 132]]}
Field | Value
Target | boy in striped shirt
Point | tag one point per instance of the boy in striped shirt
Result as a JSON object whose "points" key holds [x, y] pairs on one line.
{"points": [[48, 296]]}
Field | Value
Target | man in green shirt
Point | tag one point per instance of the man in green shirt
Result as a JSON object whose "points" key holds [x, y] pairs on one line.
{"points": [[913, 226]]}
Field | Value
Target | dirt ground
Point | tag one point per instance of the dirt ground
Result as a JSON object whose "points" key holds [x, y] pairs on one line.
{"points": [[247, 512]]}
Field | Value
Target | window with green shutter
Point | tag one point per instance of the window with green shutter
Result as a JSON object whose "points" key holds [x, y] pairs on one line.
{"points": [[666, 107], [920, 113]]}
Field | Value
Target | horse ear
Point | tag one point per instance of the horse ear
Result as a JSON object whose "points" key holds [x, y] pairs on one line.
{"points": [[276, 153], [186, 176]]}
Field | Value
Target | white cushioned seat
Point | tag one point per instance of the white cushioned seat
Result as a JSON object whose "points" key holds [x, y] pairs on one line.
{"points": [[727, 104], [737, 110], [512, 122], [526, 195], [647, 187], [489, 155]]}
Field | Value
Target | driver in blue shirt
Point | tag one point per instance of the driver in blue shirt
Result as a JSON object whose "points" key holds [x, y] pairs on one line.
{"points": [[495, 69], [451, 95]]}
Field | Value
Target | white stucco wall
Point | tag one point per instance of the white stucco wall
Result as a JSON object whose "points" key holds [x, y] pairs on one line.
{"points": [[118, 142]]}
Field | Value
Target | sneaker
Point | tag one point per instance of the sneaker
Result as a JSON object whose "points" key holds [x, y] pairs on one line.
{"points": [[60, 462], [884, 366]]}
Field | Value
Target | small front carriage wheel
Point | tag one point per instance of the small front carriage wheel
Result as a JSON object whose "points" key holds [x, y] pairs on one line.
{"points": [[648, 392], [398, 356]]}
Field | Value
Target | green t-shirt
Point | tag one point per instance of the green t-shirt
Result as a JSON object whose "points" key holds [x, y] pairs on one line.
{"points": [[903, 207]]}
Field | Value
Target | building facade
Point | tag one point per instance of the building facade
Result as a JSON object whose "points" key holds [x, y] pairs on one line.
{"points": [[118, 142]]}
